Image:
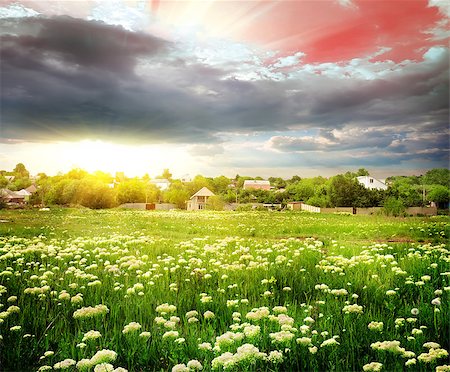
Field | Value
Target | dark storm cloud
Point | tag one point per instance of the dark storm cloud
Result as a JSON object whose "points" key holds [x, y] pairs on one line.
{"points": [[65, 78]]}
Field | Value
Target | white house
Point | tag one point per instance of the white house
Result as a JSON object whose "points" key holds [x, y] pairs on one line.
{"points": [[161, 183], [199, 200], [372, 183]]}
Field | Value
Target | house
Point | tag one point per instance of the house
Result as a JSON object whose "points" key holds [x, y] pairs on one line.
{"points": [[199, 200], [11, 197], [26, 194], [185, 178], [161, 183], [372, 183], [256, 185]]}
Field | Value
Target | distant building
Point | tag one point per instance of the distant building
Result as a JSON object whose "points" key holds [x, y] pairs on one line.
{"points": [[372, 183], [186, 178], [161, 183], [199, 200], [12, 197], [256, 185]]}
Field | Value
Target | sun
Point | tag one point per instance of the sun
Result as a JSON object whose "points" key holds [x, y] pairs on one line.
{"points": [[93, 155]]}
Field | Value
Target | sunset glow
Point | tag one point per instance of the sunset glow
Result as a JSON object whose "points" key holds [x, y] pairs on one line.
{"points": [[224, 86]]}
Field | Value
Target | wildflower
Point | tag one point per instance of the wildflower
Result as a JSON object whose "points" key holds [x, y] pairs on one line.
{"points": [[431, 345], [444, 368], [436, 301], [415, 311], [279, 310], [180, 368], [191, 314], [357, 309], [313, 349], [13, 309], [91, 335], [166, 308], [192, 320], [195, 365], [180, 340], [145, 334], [131, 327], [104, 367], [205, 346], [416, 331], [170, 334], [410, 362], [376, 326], [275, 356], [432, 355], [282, 336], [208, 314], [391, 293], [304, 341], [392, 346], [329, 342], [103, 356], [15, 328], [374, 366], [66, 363], [89, 312]]}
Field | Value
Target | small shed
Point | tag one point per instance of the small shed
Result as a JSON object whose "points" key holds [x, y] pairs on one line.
{"points": [[199, 200]]}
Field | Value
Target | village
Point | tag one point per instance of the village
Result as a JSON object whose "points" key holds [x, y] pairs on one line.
{"points": [[351, 193]]}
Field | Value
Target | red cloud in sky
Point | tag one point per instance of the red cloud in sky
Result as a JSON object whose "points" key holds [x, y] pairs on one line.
{"points": [[329, 32]]}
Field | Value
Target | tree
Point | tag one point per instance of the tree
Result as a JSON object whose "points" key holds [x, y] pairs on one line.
{"points": [[440, 195], [362, 172], [215, 203], [437, 176], [221, 184], [177, 194], [165, 175], [394, 207], [344, 191], [20, 171], [131, 191]]}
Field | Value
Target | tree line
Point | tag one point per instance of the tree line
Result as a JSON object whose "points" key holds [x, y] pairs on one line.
{"points": [[101, 190]]}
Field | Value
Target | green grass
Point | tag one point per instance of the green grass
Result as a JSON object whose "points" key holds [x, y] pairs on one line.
{"points": [[134, 261]]}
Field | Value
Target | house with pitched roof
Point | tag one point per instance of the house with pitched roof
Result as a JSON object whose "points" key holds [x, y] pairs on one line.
{"points": [[199, 200], [372, 183]]}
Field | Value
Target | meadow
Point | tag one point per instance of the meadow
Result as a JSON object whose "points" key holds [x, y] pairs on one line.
{"points": [[116, 290]]}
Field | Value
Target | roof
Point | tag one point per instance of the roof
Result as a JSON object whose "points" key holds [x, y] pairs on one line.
{"points": [[31, 188], [256, 182], [23, 192], [160, 180], [8, 194], [204, 191]]}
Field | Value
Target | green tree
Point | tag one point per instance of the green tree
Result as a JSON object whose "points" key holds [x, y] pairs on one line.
{"points": [[20, 171], [437, 176], [215, 203], [440, 195], [394, 207], [177, 194], [131, 191], [344, 191]]}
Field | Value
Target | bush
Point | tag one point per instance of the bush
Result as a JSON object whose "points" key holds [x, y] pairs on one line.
{"points": [[394, 207]]}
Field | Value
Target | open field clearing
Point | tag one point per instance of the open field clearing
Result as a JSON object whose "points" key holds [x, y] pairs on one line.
{"points": [[86, 290]]}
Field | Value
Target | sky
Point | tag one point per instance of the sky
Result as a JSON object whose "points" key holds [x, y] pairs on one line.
{"points": [[250, 87]]}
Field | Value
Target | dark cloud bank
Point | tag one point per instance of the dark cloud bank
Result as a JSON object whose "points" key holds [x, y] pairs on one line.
{"points": [[65, 78]]}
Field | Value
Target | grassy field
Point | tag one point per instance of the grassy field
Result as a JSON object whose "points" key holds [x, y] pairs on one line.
{"points": [[249, 291]]}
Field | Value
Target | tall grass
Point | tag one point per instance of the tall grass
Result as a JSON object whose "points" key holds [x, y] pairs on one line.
{"points": [[276, 291]]}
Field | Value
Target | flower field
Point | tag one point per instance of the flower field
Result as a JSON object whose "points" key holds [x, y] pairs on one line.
{"points": [[85, 290]]}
